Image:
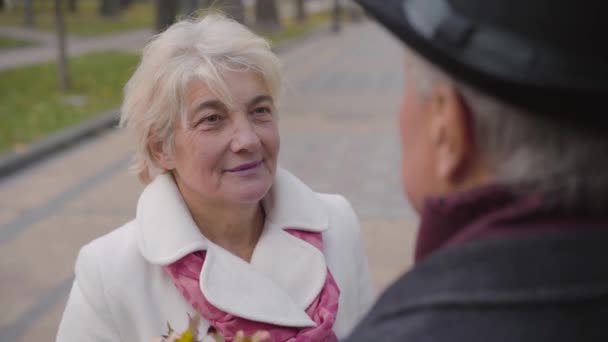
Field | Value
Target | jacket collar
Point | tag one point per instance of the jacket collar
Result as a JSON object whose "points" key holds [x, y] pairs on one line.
{"points": [[285, 274], [445, 217], [537, 268], [494, 211]]}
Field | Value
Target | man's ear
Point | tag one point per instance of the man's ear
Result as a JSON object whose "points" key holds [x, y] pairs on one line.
{"points": [[450, 131], [161, 156]]}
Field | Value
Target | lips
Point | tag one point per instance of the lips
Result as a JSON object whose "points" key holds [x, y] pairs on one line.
{"points": [[245, 167]]}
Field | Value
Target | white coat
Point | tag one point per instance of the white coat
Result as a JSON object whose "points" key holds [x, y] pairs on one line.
{"points": [[122, 293]]}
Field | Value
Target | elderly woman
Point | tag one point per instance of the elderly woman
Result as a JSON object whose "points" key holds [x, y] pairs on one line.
{"points": [[221, 231]]}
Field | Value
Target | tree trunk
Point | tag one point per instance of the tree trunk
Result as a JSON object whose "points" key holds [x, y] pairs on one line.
{"points": [[355, 13], [336, 14], [73, 6], [233, 8], [188, 7], [267, 15], [62, 56], [109, 8], [28, 13], [124, 4], [301, 14], [166, 11]]}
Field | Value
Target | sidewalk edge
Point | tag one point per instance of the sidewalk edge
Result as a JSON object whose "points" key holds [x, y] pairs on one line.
{"points": [[14, 161]]}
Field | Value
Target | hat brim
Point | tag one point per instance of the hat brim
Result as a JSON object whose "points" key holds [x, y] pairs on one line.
{"points": [[391, 15], [571, 104]]}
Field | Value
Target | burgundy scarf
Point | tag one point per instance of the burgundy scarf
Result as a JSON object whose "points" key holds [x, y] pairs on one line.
{"points": [[185, 275], [493, 211]]}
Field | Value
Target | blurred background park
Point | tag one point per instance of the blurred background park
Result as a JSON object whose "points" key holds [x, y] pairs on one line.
{"points": [[64, 64], [64, 176]]}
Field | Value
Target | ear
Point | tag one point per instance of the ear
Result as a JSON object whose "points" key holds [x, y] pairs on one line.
{"points": [[159, 153], [451, 134]]}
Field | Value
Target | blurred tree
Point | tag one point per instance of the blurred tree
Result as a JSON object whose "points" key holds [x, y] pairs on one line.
{"points": [[234, 9], [125, 4], [28, 13], [267, 15], [166, 11], [63, 71], [110, 8], [301, 14], [336, 16], [355, 12], [73, 6], [188, 7], [2, 5]]}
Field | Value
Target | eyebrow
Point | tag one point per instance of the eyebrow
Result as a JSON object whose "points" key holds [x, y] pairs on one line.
{"points": [[258, 99], [219, 105], [211, 104]]}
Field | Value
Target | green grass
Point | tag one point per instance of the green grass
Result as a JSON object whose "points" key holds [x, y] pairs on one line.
{"points": [[86, 22], [32, 106], [9, 43]]}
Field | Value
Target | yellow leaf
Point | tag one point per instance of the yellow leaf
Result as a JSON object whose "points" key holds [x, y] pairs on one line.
{"points": [[186, 337]]}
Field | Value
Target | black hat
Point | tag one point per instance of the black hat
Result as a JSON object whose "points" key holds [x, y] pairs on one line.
{"points": [[548, 56]]}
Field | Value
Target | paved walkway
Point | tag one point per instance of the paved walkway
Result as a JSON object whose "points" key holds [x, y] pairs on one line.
{"points": [[338, 133], [46, 50], [22, 33]]}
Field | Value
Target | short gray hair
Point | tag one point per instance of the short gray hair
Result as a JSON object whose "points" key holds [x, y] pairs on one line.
{"points": [[192, 49], [528, 151]]}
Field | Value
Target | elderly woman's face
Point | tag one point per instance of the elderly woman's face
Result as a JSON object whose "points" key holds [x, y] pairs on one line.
{"points": [[227, 152]]}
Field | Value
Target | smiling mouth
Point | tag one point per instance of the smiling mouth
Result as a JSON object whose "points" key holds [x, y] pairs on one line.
{"points": [[245, 167]]}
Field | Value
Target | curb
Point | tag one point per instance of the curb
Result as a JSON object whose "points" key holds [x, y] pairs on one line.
{"points": [[36, 152], [12, 162]]}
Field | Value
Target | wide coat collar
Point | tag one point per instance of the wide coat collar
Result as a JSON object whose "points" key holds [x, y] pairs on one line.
{"points": [[536, 269], [285, 274]]}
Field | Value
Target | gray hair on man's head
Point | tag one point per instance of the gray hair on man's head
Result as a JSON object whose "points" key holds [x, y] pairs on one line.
{"points": [[527, 151], [192, 49]]}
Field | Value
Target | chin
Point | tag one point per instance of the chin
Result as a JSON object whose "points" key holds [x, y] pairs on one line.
{"points": [[251, 193]]}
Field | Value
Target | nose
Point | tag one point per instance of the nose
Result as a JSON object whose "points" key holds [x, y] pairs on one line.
{"points": [[245, 138]]}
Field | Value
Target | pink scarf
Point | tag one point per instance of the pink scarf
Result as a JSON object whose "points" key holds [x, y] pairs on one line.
{"points": [[185, 275]]}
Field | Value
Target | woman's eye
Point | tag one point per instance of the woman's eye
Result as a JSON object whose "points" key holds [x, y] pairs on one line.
{"points": [[212, 119], [262, 111]]}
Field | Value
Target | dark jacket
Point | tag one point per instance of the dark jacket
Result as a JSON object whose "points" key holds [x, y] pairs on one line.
{"points": [[544, 286], [495, 266]]}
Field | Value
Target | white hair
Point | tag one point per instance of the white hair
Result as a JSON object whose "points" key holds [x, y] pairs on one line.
{"points": [[192, 49], [528, 151]]}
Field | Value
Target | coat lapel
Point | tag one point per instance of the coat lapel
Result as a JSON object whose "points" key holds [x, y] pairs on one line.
{"points": [[285, 274], [236, 287], [293, 264], [166, 230]]}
